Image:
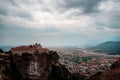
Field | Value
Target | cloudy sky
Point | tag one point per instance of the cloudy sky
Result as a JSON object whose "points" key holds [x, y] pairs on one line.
{"points": [[59, 22]]}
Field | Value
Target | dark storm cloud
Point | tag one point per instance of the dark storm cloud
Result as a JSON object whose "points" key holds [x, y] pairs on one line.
{"points": [[3, 11], [88, 6], [115, 22], [112, 23], [11, 8], [14, 2], [58, 22]]}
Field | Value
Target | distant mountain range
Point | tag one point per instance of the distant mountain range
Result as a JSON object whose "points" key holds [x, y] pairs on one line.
{"points": [[109, 47]]}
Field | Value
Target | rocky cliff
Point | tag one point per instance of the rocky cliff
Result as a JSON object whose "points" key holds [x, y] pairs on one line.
{"points": [[40, 65], [112, 74]]}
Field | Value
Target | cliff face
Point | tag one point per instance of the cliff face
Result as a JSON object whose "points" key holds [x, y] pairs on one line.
{"points": [[34, 66], [112, 74]]}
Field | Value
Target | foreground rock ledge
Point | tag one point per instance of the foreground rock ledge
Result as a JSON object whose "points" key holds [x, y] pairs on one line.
{"points": [[112, 74]]}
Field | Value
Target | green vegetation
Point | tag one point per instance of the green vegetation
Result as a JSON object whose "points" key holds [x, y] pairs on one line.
{"points": [[76, 59], [87, 58]]}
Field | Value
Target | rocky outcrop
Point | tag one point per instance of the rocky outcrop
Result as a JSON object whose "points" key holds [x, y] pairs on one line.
{"points": [[8, 68], [113, 74], [116, 65], [39, 65]]}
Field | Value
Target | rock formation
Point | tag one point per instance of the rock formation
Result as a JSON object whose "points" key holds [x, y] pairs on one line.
{"points": [[112, 74], [40, 64], [115, 65]]}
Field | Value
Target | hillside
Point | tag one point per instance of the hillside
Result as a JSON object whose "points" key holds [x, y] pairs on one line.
{"points": [[109, 47]]}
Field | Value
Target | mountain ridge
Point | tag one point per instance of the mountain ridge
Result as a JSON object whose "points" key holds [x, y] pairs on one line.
{"points": [[108, 47]]}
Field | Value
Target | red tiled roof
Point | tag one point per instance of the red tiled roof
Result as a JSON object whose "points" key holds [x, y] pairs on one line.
{"points": [[22, 48], [28, 48]]}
